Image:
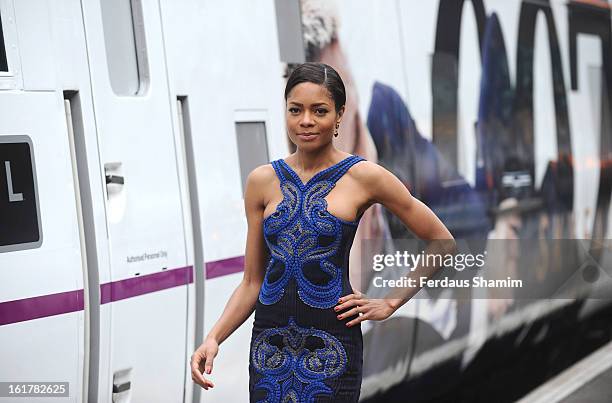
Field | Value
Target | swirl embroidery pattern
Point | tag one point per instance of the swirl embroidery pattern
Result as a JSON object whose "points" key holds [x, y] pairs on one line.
{"points": [[296, 226], [294, 362]]}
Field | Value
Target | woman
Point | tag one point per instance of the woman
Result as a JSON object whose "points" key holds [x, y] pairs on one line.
{"points": [[302, 215], [320, 28]]}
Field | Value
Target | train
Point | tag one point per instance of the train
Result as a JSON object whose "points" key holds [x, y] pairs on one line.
{"points": [[128, 129]]}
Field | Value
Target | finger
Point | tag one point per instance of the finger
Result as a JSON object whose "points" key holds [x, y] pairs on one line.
{"points": [[346, 298], [209, 383], [357, 320], [209, 365], [349, 303], [207, 355], [198, 378], [195, 362], [350, 312], [196, 375], [344, 305], [206, 384], [196, 372]]}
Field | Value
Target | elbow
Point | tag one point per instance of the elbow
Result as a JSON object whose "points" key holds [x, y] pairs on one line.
{"points": [[445, 244], [450, 245], [448, 241], [252, 281]]}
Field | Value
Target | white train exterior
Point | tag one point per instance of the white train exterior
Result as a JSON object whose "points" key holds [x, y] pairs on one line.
{"points": [[127, 129]]}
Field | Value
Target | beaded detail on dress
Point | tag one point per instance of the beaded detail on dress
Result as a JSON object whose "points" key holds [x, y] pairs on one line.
{"points": [[294, 362], [296, 232]]}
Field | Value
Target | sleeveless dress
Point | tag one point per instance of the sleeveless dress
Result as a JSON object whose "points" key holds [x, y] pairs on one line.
{"points": [[299, 350]]}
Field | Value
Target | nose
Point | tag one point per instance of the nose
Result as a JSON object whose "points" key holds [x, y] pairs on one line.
{"points": [[307, 119]]}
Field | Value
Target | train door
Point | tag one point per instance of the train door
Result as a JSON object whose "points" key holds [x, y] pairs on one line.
{"points": [[146, 294], [41, 281]]}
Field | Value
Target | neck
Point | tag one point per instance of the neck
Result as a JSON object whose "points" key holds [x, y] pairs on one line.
{"points": [[311, 161]]}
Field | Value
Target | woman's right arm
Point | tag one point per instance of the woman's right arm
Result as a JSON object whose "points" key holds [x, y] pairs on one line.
{"points": [[242, 301]]}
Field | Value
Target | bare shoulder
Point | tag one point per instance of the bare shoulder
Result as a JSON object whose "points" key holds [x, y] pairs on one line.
{"points": [[258, 181], [369, 173], [380, 185], [262, 175]]}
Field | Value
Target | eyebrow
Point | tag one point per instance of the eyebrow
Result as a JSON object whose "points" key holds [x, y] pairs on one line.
{"points": [[315, 104]]}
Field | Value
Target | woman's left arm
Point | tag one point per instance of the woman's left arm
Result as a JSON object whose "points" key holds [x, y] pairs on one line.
{"points": [[385, 188]]}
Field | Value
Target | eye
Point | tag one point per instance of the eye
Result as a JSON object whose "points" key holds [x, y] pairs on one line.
{"points": [[294, 110], [321, 111]]}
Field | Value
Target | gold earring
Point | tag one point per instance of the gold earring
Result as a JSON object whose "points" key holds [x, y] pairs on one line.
{"points": [[336, 133]]}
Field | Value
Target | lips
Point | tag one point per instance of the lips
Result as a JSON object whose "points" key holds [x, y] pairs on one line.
{"points": [[307, 136]]}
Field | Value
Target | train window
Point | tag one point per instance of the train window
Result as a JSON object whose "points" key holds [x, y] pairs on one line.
{"points": [[289, 27], [252, 147], [125, 45], [3, 61]]}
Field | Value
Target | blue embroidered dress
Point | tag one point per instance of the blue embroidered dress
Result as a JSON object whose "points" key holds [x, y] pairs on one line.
{"points": [[300, 352]]}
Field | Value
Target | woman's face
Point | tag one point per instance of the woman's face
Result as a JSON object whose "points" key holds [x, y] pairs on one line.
{"points": [[311, 116]]}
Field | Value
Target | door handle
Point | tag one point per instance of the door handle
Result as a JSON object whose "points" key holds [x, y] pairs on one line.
{"points": [[114, 179], [116, 189], [122, 387]]}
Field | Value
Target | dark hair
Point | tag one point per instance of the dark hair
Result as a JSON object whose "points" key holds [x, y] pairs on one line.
{"points": [[322, 74]]}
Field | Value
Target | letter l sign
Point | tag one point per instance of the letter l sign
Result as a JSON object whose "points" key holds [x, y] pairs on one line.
{"points": [[13, 197]]}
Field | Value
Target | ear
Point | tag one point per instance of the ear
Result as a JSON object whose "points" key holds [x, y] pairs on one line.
{"points": [[340, 113]]}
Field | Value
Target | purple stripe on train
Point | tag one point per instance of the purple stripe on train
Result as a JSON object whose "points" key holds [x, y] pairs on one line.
{"points": [[71, 301], [224, 267], [135, 286], [39, 307]]}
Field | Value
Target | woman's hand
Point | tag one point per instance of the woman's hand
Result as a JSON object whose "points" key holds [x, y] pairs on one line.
{"points": [[202, 361], [368, 309]]}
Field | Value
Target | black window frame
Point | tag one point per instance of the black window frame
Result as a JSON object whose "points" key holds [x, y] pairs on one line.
{"points": [[3, 58]]}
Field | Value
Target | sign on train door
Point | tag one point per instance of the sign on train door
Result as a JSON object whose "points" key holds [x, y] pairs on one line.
{"points": [[146, 293]]}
